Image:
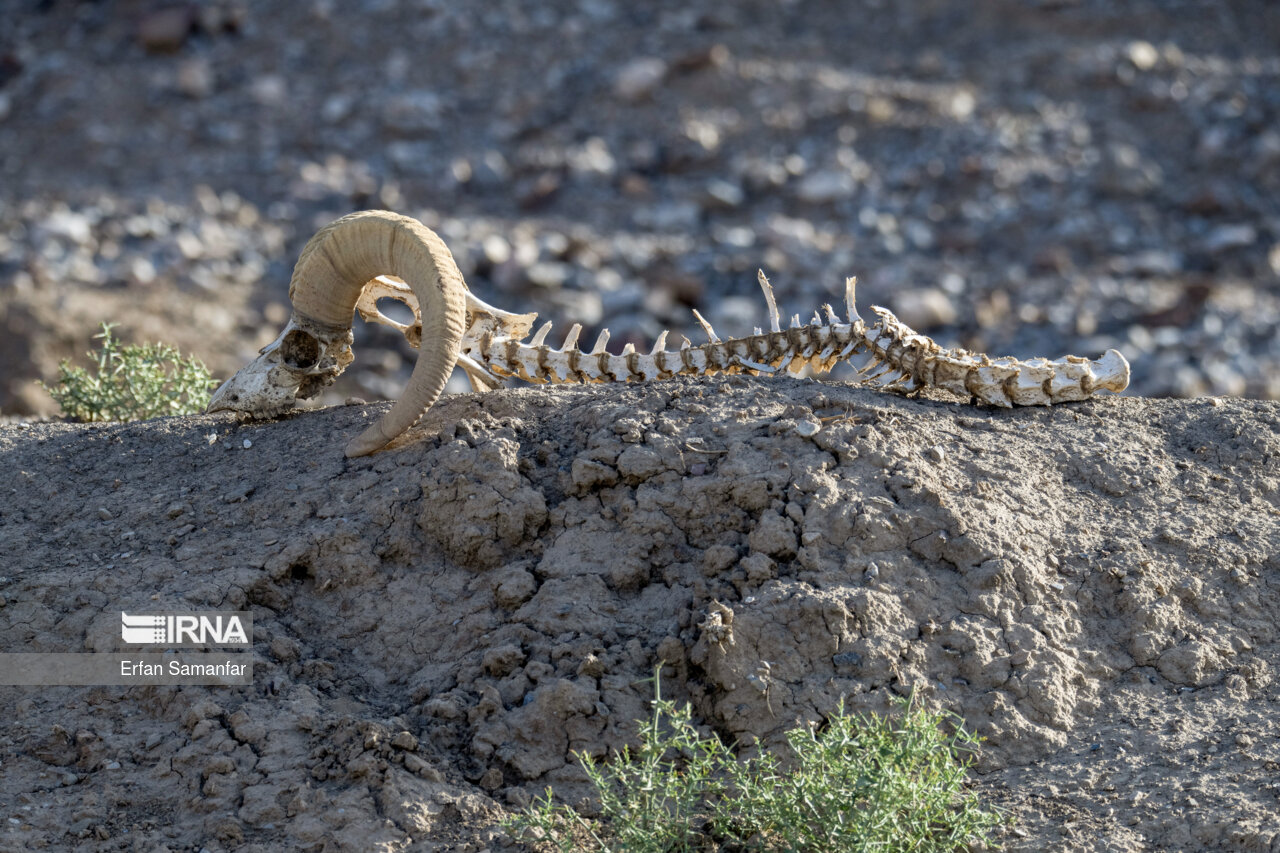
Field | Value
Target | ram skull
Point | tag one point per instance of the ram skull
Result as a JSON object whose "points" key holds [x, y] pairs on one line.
{"points": [[332, 272]]}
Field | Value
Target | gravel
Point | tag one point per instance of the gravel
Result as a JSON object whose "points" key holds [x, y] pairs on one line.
{"points": [[1018, 178]]}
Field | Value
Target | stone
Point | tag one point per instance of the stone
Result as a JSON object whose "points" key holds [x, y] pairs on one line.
{"points": [[165, 30], [195, 78], [639, 78], [1225, 237], [826, 186], [926, 308], [1143, 55]]}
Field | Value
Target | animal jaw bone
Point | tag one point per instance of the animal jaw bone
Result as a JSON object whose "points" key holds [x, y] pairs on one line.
{"points": [[364, 257]]}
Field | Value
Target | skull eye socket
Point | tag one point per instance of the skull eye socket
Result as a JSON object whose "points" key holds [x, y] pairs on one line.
{"points": [[300, 350]]}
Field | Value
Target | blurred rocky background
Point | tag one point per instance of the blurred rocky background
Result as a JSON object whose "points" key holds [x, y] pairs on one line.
{"points": [[1025, 178]]}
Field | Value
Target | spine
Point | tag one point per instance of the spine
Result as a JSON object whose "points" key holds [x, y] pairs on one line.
{"points": [[911, 360], [819, 346]]}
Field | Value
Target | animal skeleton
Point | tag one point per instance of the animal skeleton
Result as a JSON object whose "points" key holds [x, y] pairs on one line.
{"points": [[364, 257]]}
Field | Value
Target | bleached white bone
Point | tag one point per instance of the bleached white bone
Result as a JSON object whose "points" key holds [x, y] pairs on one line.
{"points": [[315, 346]]}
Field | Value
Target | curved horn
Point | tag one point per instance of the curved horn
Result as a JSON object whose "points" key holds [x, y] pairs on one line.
{"points": [[334, 267]]}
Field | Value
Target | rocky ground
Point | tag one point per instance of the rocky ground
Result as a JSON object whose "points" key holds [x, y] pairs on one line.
{"points": [[1092, 588], [1015, 177], [439, 626]]}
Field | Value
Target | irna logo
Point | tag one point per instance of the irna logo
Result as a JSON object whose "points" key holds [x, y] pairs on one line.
{"points": [[213, 629]]}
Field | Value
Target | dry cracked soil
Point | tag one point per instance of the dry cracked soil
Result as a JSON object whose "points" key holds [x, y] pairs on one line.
{"points": [[438, 627]]}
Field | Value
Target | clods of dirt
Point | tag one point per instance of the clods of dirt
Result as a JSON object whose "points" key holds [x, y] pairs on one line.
{"points": [[440, 626]]}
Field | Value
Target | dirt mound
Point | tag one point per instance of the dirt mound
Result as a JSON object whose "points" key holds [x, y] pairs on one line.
{"points": [[439, 626]]}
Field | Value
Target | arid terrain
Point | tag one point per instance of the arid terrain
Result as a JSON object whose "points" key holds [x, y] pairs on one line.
{"points": [[1092, 587], [437, 627]]}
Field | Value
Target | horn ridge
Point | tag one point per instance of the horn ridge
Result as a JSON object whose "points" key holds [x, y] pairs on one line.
{"points": [[334, 267]]}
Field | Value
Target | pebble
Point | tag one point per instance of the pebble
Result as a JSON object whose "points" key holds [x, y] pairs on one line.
{"points": [[496, 249], [418, 766], [337, 107], [269, 90], [1226, 237], [195, 78], [639, 78], [68, 225], [593, 157], [808, 428], [723, 194], [239, 494], [165, 30], [1143, 55], [549, 274], [668, 216], [846, 660], [1152, 262], [924, 309], [412, 112], [825, 187]]}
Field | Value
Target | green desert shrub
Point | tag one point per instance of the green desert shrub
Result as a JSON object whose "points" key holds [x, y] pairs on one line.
{"points": [[858, 783], [131, 382]]}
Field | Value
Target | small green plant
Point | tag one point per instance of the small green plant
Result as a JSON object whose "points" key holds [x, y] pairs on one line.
{"points": [[860, 783], [131, 383]]}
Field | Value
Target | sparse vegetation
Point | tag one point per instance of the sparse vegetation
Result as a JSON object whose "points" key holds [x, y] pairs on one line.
{"points": [[858, 783], [131, 382]]}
